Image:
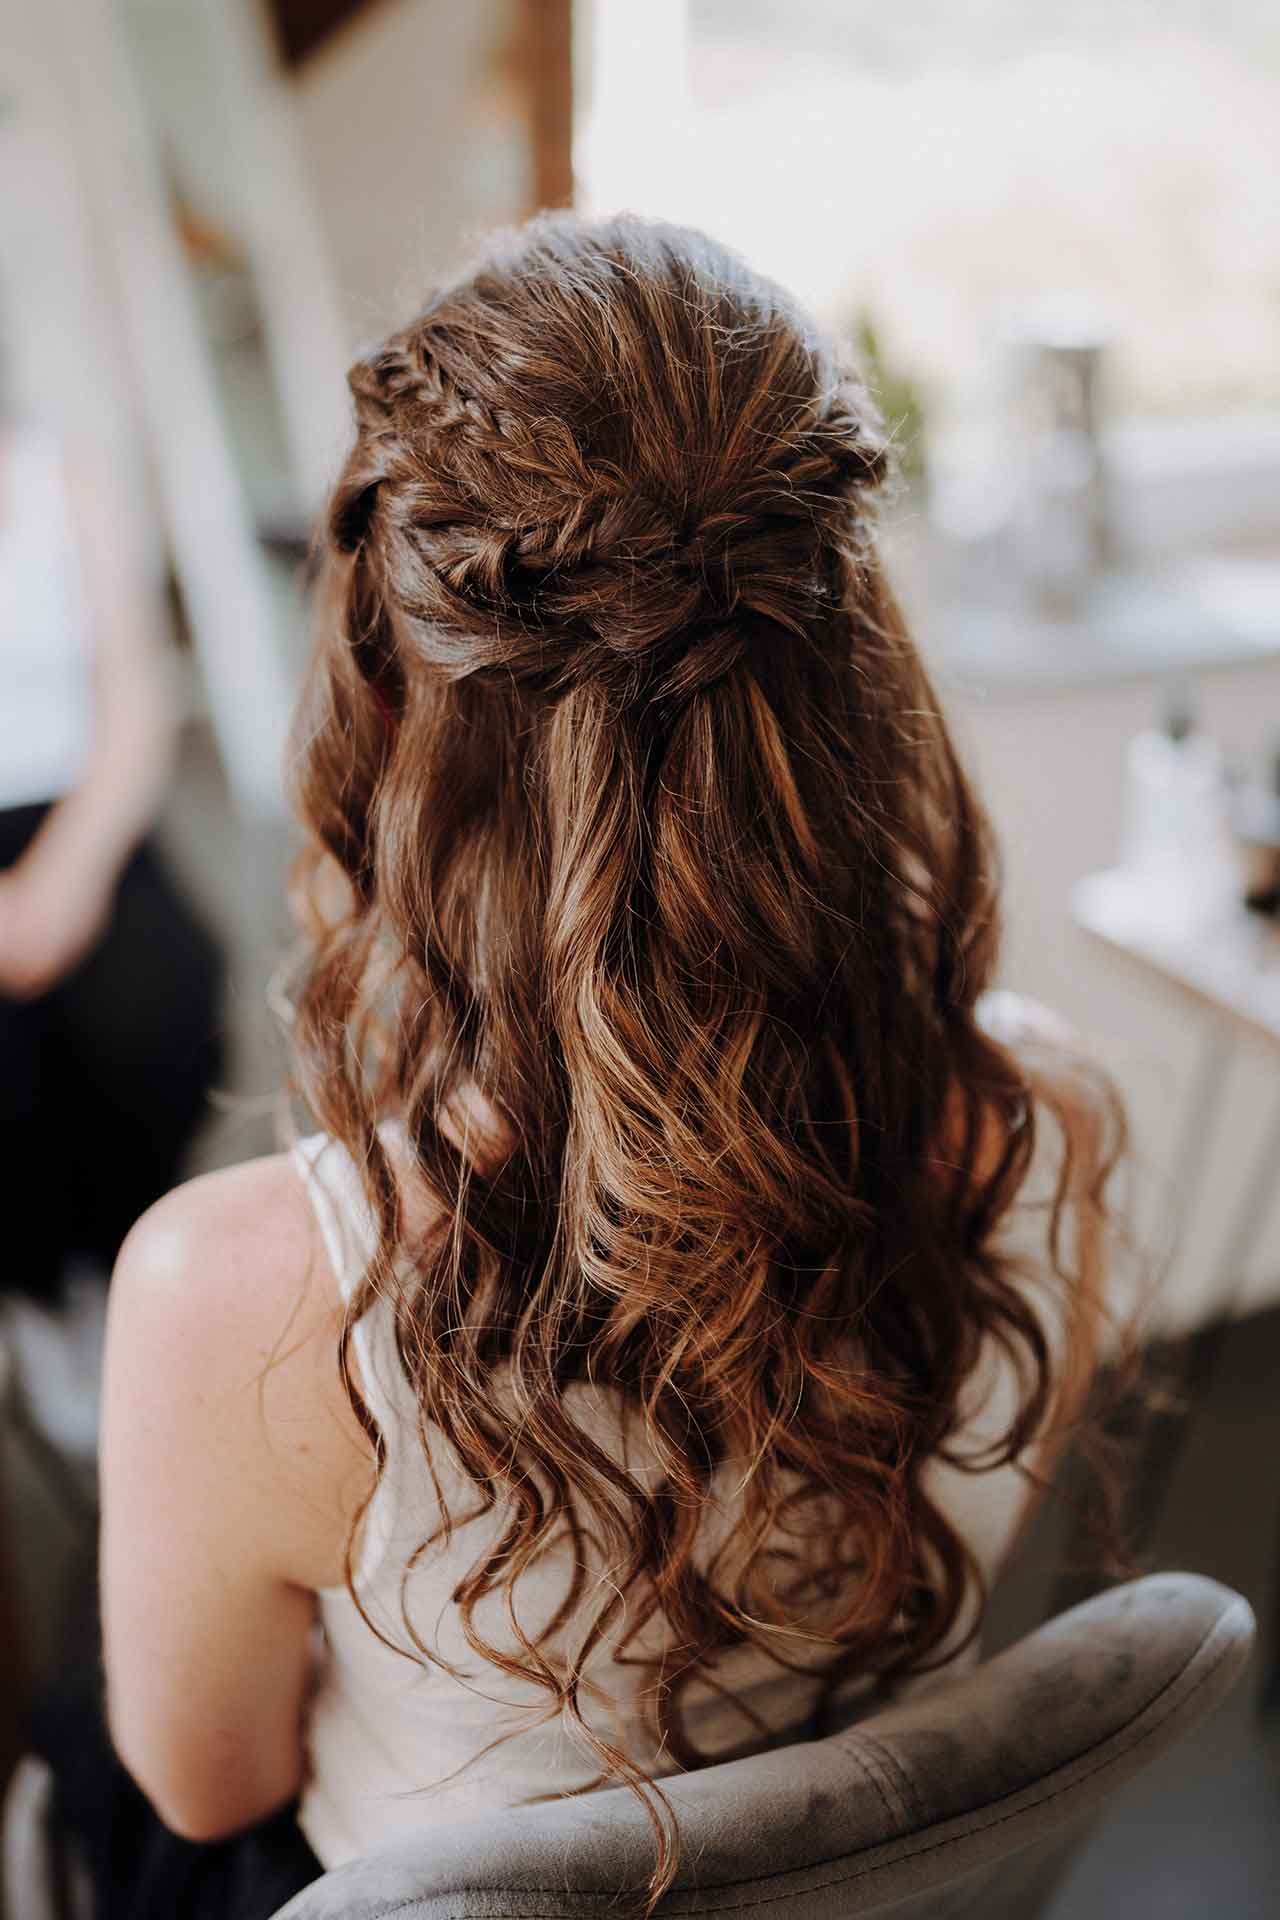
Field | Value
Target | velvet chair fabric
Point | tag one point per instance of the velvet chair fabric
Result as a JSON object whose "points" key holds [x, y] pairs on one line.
{"points": [[965, 1800]]}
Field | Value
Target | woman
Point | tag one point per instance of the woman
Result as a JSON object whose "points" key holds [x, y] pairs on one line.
{"points": [[636, 1360], [108, 986]]}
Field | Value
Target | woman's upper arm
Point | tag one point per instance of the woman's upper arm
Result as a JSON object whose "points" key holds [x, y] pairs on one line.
{"points": [[230, 1471]]}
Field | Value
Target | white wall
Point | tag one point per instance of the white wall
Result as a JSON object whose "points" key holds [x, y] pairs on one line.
{"points": [[1051, 769], [62, 353], [412, 135]]}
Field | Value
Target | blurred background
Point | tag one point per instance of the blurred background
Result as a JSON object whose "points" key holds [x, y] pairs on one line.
{"points": [[1054, 237]]}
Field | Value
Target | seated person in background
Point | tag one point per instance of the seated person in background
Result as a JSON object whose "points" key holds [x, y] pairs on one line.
{"points": [[109, 988], [638, 1361]]}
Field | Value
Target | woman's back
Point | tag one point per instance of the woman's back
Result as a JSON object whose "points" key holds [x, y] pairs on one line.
{"points": [[397, 1745]]}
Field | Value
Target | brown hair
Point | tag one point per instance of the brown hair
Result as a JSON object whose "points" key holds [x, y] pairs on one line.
{"points": [[652, 832]]}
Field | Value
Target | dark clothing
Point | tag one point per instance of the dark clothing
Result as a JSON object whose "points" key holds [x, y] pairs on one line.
{"points": [[104, 1079]]}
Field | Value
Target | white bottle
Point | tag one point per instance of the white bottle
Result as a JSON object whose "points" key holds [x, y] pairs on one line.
{"points": [[1176, 844]]}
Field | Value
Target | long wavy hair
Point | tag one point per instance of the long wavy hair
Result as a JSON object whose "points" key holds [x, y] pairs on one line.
{"points": [[633, 817]]}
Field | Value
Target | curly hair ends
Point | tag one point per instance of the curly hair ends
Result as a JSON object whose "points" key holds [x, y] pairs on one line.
{"points": [[653, 836]]}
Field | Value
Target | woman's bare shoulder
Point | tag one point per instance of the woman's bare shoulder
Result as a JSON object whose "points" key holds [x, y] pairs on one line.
{"points": [[225, 1283], [256, 1210], [232, 1257]]}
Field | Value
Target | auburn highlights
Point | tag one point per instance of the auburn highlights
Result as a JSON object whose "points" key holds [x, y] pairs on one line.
{"points": [[646, 893]]}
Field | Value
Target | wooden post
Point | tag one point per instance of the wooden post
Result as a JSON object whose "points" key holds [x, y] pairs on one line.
{"points": [[549, 40]]}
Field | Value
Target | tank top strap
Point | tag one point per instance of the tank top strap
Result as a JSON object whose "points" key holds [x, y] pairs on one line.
{"points": [[336, 1192]]}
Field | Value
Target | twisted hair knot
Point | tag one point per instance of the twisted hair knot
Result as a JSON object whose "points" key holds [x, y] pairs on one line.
{"points": [[556, 538]]}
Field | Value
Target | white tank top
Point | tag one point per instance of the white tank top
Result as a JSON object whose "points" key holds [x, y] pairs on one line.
{"points": [[398, 1747], [45, 694]]}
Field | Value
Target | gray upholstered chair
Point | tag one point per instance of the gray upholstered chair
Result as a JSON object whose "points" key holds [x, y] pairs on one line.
{"points": [[967, 1799]]}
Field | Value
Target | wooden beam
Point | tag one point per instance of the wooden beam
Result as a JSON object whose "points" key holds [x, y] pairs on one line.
{"points": [[220, 569], [548, 38]]}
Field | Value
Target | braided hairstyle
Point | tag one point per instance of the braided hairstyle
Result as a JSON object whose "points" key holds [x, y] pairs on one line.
{"points": [[651, 835]]}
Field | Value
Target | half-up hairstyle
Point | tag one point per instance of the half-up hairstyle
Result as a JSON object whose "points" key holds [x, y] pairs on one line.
{"points": [[653, 842]]}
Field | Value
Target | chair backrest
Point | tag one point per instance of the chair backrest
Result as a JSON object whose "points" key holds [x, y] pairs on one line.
{"points": [[966, 1798]]}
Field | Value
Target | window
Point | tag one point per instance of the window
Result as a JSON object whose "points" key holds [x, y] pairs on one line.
{"points": [[940, 166]]}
